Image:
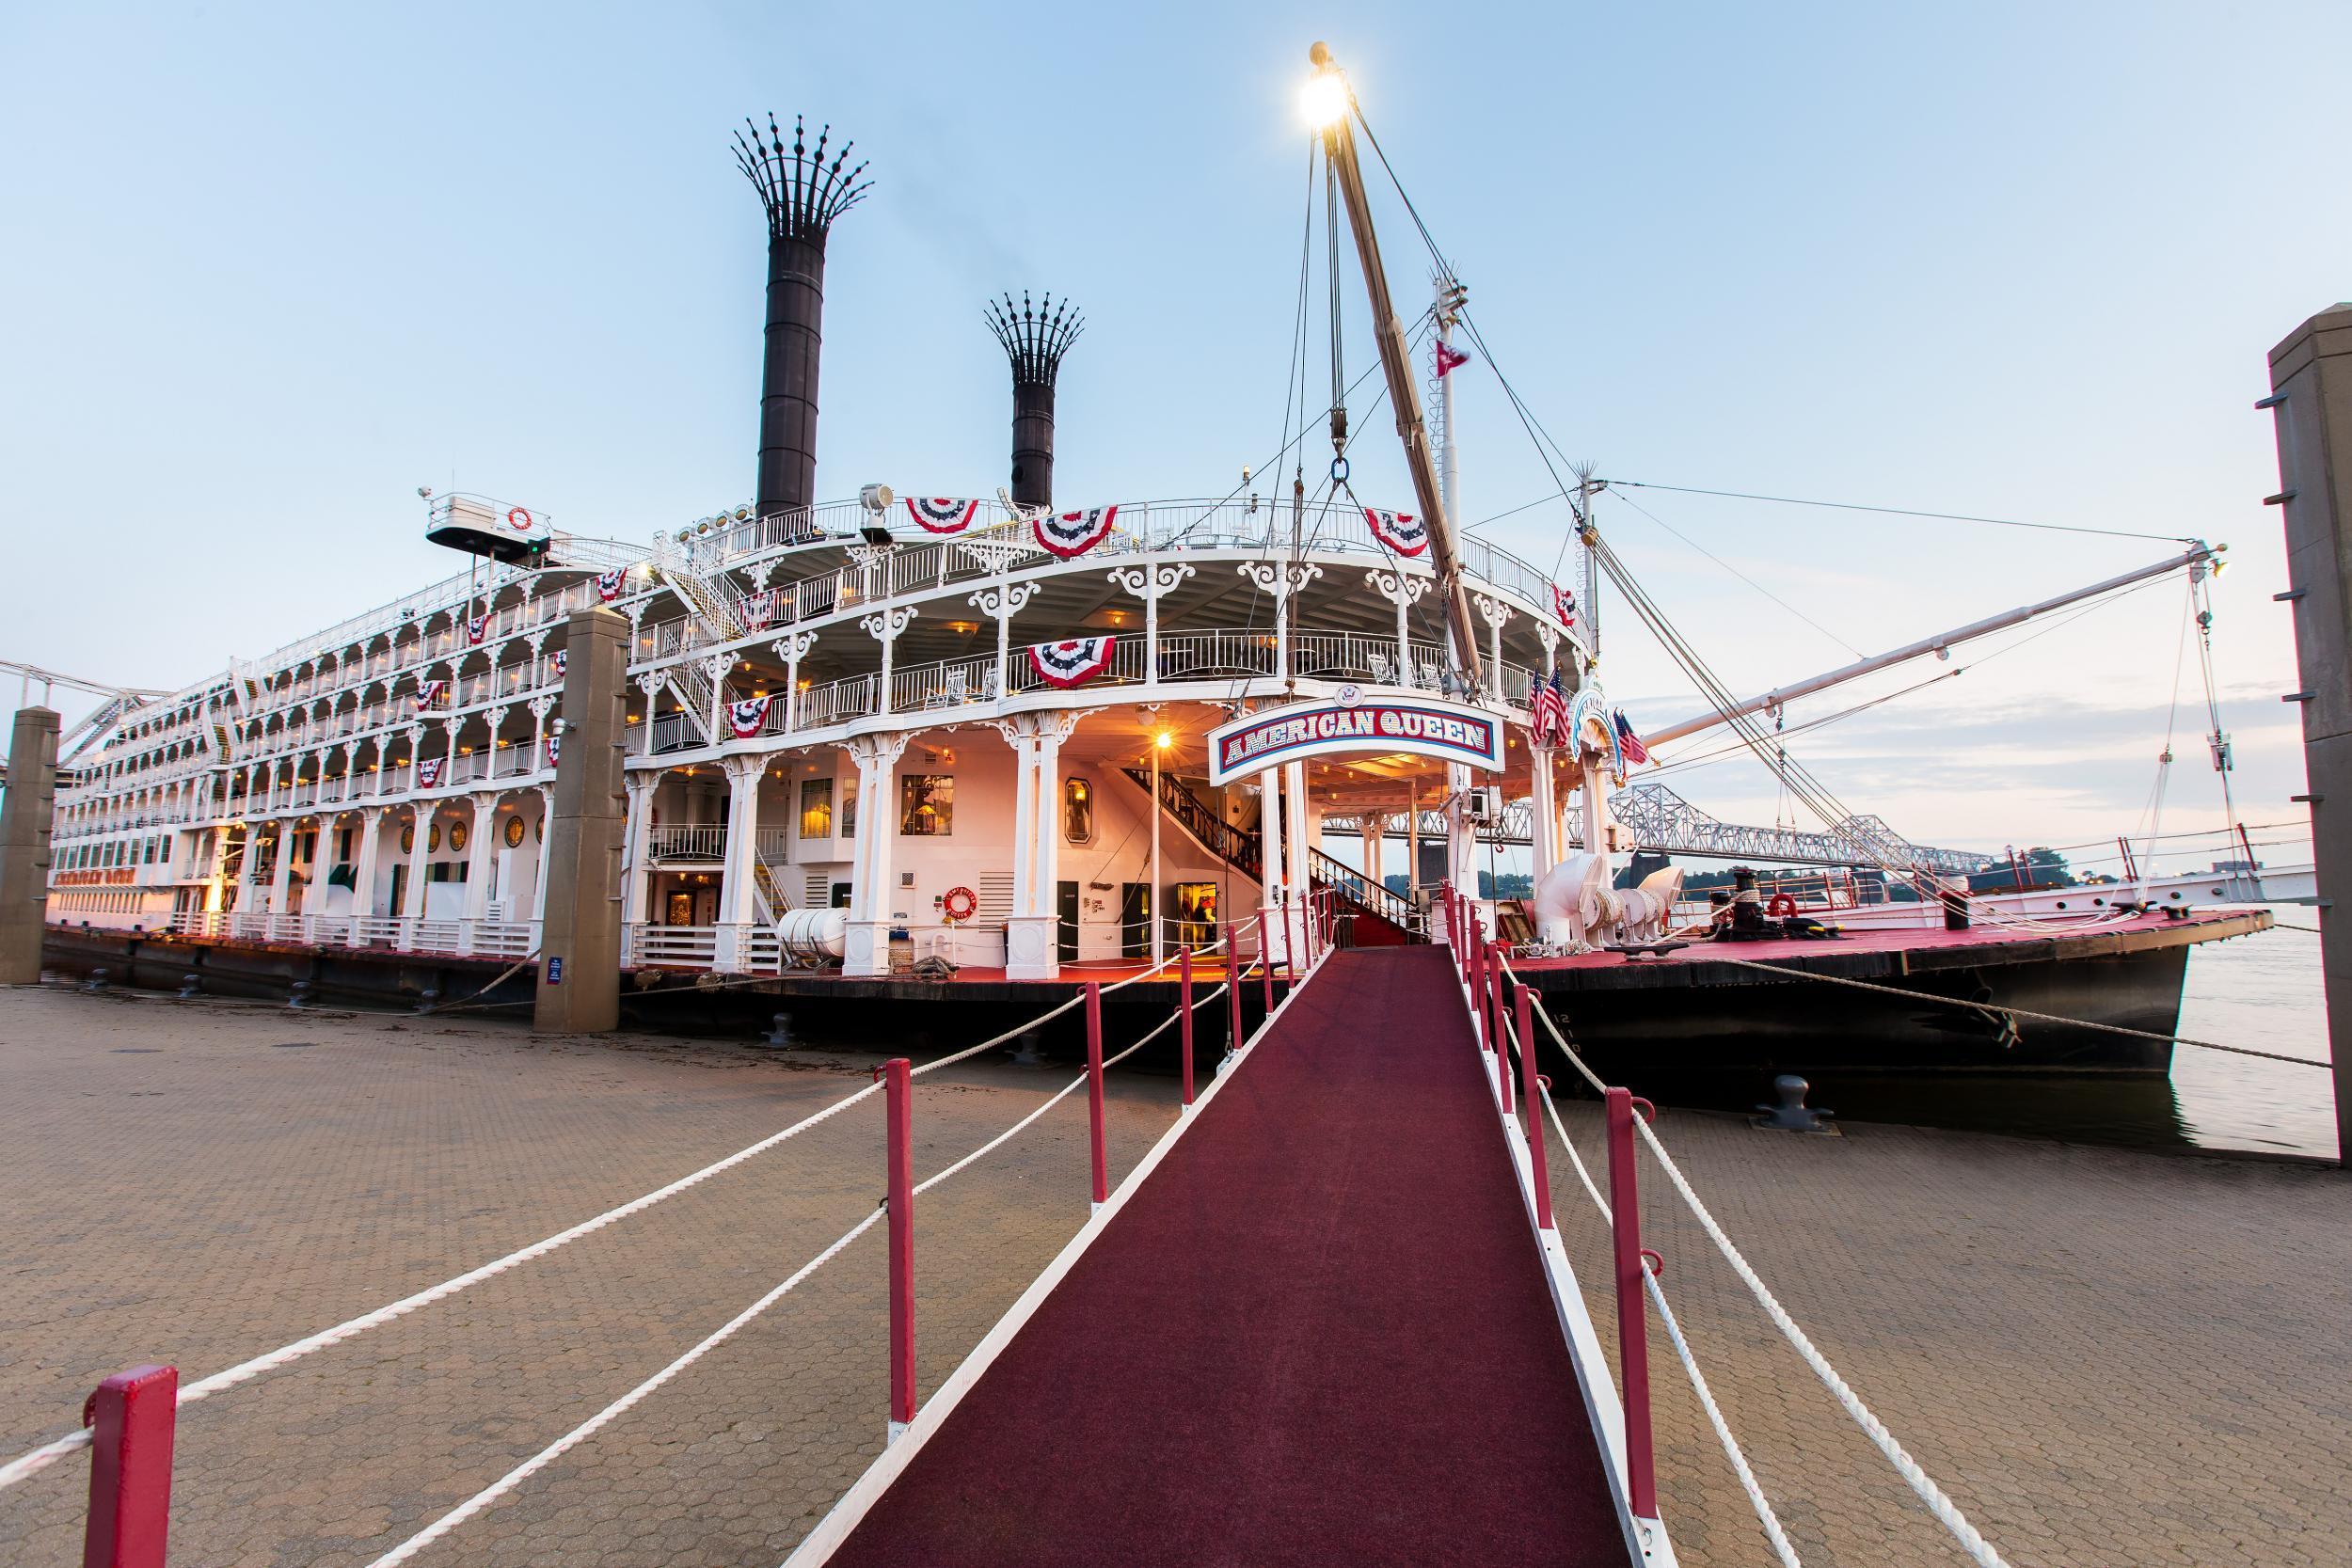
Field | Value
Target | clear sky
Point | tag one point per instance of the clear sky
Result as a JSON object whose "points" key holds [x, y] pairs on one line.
{"points": [[270, 269]]}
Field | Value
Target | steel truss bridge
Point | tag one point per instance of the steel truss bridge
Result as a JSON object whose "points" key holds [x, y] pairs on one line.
{"points": [[1659, 819]]}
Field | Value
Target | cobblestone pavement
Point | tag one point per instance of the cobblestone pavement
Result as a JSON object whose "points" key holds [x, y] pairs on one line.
{"points": [[197, 1184], [2107, 1356]]}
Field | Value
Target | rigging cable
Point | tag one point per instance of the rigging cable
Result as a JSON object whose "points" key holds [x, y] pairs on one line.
{"points": [[1905, 512]]}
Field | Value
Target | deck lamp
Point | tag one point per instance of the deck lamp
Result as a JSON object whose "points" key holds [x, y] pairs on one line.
{"points": [[1323, 98]]}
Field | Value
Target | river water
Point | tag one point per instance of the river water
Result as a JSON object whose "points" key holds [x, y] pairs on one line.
{"points": [[2262, 991]]}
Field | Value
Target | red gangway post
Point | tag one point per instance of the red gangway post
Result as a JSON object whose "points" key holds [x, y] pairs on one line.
{"points": [[1183, 1000], [1503, 1043], [898, 1076], [1480, 958], [1625, 1212], [1527, 999], [1094, 1089], [130, 1417], [1233, 989]]}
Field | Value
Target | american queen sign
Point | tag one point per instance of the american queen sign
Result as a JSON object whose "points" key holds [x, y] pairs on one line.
{"points": [[1447, 731]]}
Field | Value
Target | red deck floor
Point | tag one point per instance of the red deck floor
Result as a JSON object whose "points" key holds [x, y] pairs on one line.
{"points": [[1317, 1333]]}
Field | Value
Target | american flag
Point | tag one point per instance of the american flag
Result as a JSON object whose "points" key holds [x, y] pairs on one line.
{"points": [[1629, 743], [1547, 710]]}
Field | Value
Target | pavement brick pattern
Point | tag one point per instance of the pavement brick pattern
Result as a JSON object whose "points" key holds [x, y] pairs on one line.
{"points": [[2105, 1357], [197, 1183], [2108, 1357]]}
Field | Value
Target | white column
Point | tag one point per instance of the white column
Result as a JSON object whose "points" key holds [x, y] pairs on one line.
{"points": [[539, 872], [865, 948], [1543, 815], [1152, 889], [363, 867], [737, 912], [1273, 852], [884, 626], [1001, 600], [636, 857], [1461, 841], [1496, 612], [1403, 590], [480, 844], [1052, 730], [281, 876], [1299, 818], [1372, 845], [412, 891], [792, 650]]}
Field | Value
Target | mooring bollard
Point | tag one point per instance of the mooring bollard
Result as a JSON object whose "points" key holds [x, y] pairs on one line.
{"points": [[298, 995], [898, 1076], [1183, 1000], [428, 999], [95, 981], [1094, 1089], [130, 1417], [191, 985], [1625, 1212], [780, 1031]]}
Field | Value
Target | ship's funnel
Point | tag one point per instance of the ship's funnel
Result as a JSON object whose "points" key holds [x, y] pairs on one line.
{"points": [[1035, 338], [803, 194]]}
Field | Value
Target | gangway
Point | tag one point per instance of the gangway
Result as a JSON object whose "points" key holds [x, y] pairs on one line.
{"points": [[1264, 1354]]}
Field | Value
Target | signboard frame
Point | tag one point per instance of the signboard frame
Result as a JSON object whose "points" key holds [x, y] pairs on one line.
{"points": [[1381, 726]]}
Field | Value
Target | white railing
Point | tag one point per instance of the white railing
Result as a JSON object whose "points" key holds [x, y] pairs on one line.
{"points": [[509, 938], [700, 842], [321, 929], [435, 936], [376, 930], [674, 946]]}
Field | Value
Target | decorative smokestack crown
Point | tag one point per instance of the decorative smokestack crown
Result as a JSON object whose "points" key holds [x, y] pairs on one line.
{"points": [[802, 192], [1035, 336]]}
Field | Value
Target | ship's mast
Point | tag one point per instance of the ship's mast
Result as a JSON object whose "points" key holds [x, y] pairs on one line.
{"points": [[1339, 150]]}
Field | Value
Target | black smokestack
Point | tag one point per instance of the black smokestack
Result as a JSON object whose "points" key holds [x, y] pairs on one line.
{"points": [[804, 193], [1035, 338]]}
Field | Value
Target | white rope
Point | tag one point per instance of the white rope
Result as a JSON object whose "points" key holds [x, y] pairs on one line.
{"points": [[49, 1453], [1748, 1483], [588, 1428]]}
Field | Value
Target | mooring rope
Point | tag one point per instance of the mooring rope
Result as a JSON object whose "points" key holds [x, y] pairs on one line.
{"points": [[2014, 1012]]}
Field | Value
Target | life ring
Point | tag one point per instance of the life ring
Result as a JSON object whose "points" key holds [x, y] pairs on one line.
{"points": [[1783, 906], [517, 519], [960, 903]]}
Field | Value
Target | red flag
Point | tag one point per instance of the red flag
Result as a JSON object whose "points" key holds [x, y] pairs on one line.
{"points": [[1450, 359]]}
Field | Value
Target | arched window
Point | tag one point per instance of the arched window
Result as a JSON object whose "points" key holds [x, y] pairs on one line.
{"points": [[1077, 810]]}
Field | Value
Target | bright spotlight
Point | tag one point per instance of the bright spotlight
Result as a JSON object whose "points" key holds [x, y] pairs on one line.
{"points": [[1163, 741], [1324, 98]]}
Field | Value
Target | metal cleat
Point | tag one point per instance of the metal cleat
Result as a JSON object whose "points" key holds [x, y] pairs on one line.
{"points": [[1791, 1115]]}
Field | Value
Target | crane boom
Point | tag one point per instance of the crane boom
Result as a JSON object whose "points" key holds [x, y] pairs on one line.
{"points": [[1339, 148], [2198, 555]]}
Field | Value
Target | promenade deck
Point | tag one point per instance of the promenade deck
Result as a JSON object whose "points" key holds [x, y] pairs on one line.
{"points": [[1318, 1332]]}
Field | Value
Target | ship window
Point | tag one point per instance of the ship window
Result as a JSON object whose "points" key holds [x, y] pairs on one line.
{"points": [[848, 808], [926, 804], [1077, 810], [816, 808]]}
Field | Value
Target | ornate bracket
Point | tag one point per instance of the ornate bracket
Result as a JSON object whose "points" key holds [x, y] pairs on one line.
{"points": [[885, 624], [1397, 587], [1003, 600], [794, 648], [1495, 610]]}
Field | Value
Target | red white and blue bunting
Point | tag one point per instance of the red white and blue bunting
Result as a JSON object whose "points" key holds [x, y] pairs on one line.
{"points": [[555, 748], [746, 717], [1073, 662], [475, 627], [1068, 533], [429, 771], [430, 694], [562, 658], [1399, 530], [942, 513], [759, 610], [1564, 607], [609, 584]]}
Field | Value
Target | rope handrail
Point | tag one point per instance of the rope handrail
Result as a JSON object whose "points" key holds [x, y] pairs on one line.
{"points": [[31, 1463], [1934, 1497]]}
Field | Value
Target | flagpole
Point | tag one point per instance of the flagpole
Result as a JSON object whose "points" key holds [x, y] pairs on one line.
{"points": [[1451, 297]]}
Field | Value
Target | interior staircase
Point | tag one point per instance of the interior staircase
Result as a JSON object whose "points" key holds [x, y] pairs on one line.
{"points": [[1241, 849]]}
